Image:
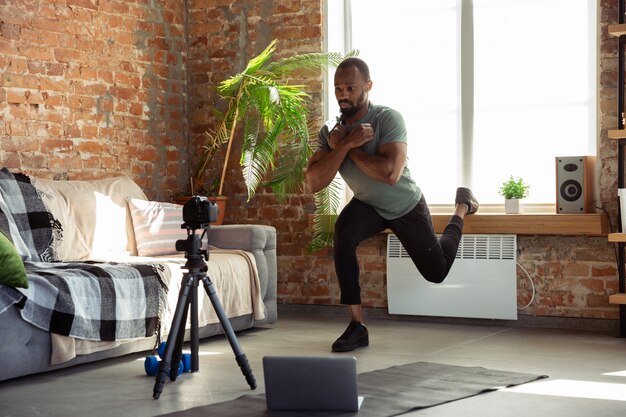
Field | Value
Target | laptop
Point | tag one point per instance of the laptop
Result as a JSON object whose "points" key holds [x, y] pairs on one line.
{"points": [[311, 383]]}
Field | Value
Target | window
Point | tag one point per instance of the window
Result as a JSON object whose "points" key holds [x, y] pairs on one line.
{"points": [[487, 88]]}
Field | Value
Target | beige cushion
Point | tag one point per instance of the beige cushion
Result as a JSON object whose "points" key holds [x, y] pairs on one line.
{"points": [[94, 215], [157, 226]]}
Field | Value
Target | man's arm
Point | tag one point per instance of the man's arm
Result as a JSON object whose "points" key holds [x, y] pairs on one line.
{"points": [[389, 159], [322, 168], [386, 166], [324, 165]]}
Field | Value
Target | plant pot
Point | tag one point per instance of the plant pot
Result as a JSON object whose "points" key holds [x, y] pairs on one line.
{"points": [[219, 200], [513, 206], [221, 207]]}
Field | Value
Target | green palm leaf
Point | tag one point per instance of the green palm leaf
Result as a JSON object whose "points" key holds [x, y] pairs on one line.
{"points": [[326, 206], [230, 86], [305, 62], [257, 157]]}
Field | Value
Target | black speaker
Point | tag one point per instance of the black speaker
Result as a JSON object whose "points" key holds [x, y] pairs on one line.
{"points": [[574, 184]]}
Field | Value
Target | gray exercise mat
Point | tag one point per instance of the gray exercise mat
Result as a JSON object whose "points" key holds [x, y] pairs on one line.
{"points": [[388, 392]]}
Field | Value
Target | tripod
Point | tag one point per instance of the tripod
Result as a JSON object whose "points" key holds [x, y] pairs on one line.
{"points": [[188, 298]]}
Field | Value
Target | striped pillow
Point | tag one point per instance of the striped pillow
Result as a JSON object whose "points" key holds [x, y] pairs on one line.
{"points": [[157, 226]]}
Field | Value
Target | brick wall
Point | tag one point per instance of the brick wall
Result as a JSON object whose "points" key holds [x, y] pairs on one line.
{"points": [[94, 88]]}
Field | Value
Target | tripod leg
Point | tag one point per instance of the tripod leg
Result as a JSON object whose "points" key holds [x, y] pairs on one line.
{"points": [[177, 353], [240, 357], [181, 311], [195, 336]]}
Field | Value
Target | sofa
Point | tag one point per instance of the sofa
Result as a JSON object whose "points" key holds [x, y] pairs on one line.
{"points": [[108, 230]]}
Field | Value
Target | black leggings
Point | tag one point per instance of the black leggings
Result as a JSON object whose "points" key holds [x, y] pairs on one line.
{"points": [[358, 221]]}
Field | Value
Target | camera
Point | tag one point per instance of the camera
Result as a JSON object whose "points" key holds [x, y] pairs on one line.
{"points": [[199, 211]]}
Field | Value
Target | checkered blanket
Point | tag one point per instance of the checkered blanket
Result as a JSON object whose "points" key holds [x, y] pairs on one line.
{"points": [[86, 300], [90, 300], [25, 219]]}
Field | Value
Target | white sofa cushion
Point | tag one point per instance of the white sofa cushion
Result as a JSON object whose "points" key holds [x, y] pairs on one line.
{"points": [[94, 215]]}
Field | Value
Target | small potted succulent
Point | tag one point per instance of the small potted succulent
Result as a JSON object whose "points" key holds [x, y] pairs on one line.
{"points": [[513, 190]]}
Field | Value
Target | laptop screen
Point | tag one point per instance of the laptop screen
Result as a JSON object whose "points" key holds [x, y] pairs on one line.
{"points": [[313, 383]]}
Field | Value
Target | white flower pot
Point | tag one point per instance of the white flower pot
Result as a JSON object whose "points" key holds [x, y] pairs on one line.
{"points": [[513, 206]]}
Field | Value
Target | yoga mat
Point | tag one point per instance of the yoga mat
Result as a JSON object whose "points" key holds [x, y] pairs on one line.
{"points": [[388, 392]]}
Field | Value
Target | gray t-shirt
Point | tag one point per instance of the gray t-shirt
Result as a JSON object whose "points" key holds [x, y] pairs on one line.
{"points": [[390, 201]]}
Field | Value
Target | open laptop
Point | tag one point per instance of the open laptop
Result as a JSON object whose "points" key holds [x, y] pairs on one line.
{"points": [[311, 383]]}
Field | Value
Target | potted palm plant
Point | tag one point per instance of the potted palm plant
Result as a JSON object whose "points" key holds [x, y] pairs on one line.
{"points": [[513, 190], [272, 117]]}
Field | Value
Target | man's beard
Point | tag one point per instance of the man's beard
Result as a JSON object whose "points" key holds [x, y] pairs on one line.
{"points": [[348, 112]]}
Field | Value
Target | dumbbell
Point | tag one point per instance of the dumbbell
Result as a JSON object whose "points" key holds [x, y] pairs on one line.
{"points": [[151, 363], [186, 357]]}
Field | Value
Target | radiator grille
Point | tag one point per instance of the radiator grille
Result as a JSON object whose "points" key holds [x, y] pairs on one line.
{"points": [[471, 247], [480, 284]]}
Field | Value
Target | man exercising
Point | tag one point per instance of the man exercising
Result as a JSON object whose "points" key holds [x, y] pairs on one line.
{"points": [[368, 147]]}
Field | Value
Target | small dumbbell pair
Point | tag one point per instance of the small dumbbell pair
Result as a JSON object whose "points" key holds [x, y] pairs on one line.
{"points": [[151, 363]]}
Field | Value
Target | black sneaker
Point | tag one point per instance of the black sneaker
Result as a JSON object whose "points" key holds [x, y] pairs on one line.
{"points": [[354, 337], [465, 196]]}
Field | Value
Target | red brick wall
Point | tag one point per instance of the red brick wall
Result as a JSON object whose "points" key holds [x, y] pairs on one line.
{"points": [[95, 88]]}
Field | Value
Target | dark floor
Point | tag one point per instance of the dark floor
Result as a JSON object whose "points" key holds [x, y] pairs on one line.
{"points": [[587, 370]]}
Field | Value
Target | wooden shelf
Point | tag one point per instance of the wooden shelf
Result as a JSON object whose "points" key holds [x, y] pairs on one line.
{"points": [[617, 29], [617, 237], [617, 134], [592, 224], [617, 298]]}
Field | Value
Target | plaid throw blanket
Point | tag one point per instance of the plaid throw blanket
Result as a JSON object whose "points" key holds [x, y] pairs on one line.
{"points": [[25, 219], [89, 300]]}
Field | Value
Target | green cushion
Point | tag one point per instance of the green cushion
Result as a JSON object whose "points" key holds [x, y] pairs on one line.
{"points": [[12, 272]]}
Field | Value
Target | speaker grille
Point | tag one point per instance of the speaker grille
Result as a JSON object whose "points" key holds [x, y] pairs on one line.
{"points": [[574, 184]]}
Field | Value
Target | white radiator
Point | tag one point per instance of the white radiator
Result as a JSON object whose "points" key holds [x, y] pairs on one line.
{"points": [[481, 283]]}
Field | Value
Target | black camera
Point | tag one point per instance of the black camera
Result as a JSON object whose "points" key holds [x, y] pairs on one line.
{"points": [[198, 212]]}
